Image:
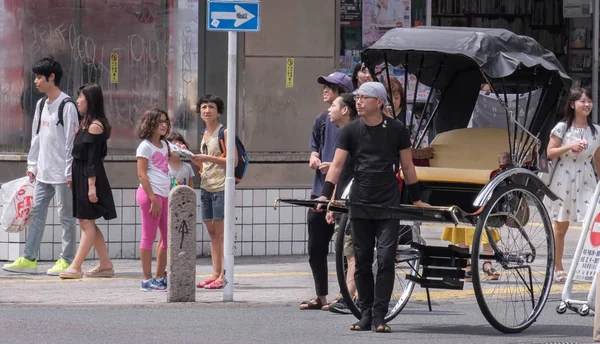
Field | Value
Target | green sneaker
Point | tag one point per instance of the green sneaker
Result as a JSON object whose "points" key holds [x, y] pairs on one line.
{"points": [[60, 266], [22, 265]]}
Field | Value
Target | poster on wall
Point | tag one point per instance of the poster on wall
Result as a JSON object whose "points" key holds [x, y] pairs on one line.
{"points": [[351, 34], [350, 12], [379, 16]]}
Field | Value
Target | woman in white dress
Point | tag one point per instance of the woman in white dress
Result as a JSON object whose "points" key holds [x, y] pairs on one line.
{"points": [[574, 141]]}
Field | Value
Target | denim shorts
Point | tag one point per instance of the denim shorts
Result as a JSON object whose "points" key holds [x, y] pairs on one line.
{"points": [[213, 205]]}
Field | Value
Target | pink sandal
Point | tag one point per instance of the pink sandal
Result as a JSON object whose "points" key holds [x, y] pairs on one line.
{"points": [[215, 285], [205, 283]]}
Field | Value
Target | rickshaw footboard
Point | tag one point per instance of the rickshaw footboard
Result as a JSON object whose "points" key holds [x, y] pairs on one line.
{"points": [[442, 267]]}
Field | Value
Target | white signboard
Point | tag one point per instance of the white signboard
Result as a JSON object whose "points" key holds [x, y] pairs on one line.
{"points": [[577, 8], [590, 255]]}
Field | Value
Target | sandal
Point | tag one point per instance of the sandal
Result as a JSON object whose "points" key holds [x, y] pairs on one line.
{"points": [[215, 285], [468, 274], [560, 276], [100, 273], [204, 283], [314, 303], [69, 274], [328, 306], [490, 273]]}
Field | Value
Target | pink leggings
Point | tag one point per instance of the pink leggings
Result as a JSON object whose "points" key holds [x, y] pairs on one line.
{"points": [[149, 223]]}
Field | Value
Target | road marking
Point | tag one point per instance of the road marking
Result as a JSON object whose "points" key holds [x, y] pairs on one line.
{"points": [[442, 225], [463, 294], [416, 295], [248, 275]]}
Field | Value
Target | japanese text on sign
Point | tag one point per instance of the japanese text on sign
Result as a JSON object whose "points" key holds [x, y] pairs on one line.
{"points": [[114, 68], [289, 72], [590, 255]]}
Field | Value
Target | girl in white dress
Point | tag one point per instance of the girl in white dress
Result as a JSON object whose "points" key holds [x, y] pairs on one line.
{"points": [[575, 141]]}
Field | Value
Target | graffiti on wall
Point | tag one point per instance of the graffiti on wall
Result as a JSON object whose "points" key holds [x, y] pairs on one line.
{"points": [[82, 41]]}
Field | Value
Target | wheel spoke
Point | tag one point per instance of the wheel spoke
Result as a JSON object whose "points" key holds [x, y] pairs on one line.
{"points": [[524, 258]]}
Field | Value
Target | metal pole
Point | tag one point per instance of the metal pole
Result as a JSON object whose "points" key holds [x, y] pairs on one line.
{"points": [[595, 27], [229, 167], [428, 10]]}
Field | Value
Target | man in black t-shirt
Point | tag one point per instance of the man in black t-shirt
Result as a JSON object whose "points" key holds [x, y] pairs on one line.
{"points": [[376, 144]]}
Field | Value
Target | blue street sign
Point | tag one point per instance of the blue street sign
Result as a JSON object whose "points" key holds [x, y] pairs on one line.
{"points": [[233, 16]]}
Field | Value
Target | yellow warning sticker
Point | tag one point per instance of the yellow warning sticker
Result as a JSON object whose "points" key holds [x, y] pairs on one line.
{"points": [[289, 72], [114, 68]]}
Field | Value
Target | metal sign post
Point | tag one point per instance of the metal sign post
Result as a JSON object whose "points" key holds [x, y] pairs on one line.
{"points": [[595, 38], [229, 167], [231, 16]]}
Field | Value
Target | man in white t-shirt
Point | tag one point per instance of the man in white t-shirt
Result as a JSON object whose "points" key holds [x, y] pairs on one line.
{"points": [[49, 164]]}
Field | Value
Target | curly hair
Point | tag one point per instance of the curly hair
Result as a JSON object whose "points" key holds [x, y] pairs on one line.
{"points": [[149, 122]]}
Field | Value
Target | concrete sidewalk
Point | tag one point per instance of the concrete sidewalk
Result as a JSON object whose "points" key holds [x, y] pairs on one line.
{"points": [[257, 280], [264, 280]]}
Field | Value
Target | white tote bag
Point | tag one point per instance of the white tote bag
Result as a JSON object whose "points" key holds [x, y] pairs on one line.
{"points": [[16, 201]]}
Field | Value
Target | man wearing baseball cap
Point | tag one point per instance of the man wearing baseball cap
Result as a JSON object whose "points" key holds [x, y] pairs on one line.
{"points": [[339, 79], [322, 146], [375, 143]]}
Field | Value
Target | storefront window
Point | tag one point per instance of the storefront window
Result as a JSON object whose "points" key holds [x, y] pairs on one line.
{"points": [[143, 54]]}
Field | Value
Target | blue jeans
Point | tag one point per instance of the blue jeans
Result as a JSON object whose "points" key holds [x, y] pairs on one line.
{"points": [[37, 220], [213, 205]]}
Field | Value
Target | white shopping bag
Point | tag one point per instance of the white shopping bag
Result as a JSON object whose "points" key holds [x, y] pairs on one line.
{"points": [[16, 201]]}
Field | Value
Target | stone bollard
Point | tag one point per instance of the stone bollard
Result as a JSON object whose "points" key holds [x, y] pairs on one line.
{"points": [[181, 251]]}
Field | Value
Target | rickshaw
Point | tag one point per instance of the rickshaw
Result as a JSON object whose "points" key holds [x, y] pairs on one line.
{"points": [[479, 178]]}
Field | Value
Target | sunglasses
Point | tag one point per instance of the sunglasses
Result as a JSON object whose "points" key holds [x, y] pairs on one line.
{"points": [[204, 149]]}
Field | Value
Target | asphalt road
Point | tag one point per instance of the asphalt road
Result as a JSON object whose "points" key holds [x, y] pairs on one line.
{"points": [[43, 309], [450, 322]]}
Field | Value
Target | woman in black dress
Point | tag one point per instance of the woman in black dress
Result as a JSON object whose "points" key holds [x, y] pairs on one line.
{"points": [[92, 195]]}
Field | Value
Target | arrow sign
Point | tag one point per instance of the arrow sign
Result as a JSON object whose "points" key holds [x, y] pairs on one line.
{"points": [[240, 16], [226, 15], [183, 229]]}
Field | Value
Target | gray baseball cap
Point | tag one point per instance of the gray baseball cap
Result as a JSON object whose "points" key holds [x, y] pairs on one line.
{"points": [[373, 89], [337, 78]]}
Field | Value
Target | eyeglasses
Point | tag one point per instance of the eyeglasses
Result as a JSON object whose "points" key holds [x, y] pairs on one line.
{"points": [[362, 98], [160, 121]]}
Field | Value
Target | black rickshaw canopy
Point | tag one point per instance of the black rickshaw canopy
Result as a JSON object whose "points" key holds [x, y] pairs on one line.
{"points": [[498, 53], [457, 61]]}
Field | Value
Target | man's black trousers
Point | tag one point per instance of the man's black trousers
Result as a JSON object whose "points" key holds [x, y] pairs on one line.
{"points": [[319, 236], [366, 233]]}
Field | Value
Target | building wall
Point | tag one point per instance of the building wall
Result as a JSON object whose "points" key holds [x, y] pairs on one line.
{"points": [[274, 122], [272, 113], [259, 229]]}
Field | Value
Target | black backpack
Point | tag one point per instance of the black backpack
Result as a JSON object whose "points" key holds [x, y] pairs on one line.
{"points": [[60, 111]]}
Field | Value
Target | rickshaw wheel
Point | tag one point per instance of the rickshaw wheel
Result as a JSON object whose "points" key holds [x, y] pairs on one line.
{"points": [[407, 262], [523, 255]]}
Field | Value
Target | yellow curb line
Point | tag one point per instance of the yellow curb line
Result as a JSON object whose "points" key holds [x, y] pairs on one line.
{"points": [[442, 225], [416, 295], [256, 275], [462, 294]]}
